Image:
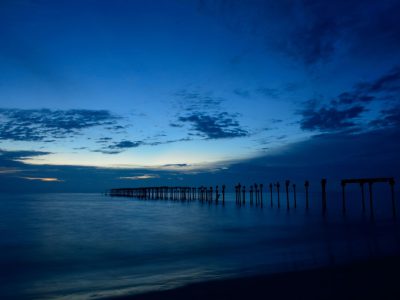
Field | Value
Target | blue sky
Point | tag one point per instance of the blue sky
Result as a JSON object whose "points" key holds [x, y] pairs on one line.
{"points": [[192, 91]]}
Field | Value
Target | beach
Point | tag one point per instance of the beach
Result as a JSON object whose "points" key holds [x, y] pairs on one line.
{"points": [[368, 279]]}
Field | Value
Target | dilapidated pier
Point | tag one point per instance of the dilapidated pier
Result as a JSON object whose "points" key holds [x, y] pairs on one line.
{"points": [[178, 193], [216, 195], [369, 182]]}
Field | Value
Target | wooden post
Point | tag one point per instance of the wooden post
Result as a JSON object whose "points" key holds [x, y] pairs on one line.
{"points": [[277, 189], [323, 186], [306, 185], [223, 194], [391, 182], [270, 190], [343, 197], [362, 196], [371, 204], [287, 194], [256, 193], [244, 194], [239, 194]]}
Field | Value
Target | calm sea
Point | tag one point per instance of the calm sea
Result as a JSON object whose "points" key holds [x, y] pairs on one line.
{"points": [[89, 246]]}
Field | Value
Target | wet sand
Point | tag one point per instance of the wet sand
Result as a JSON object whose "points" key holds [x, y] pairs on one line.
{"points": [[372, 279]]}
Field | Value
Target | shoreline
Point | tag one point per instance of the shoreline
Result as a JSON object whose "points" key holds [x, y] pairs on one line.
{"points": [[376, 278]]}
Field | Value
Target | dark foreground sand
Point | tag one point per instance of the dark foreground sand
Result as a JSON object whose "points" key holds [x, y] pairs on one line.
{"points": [[373, 279]]}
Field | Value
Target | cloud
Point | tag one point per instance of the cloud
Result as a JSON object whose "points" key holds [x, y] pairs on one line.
{"points": [[104, 140], [242, 93], [126, 144], [206, 116], [44, 124], [221, 125], [197, 101], [313, 32], [389, 82], [383, 88], [389, 118], [4, 170], [43, 179], [140, 177], [168, 141], [117, 147], [345, 110], [330, 119], [176, 165], [20, 155]]}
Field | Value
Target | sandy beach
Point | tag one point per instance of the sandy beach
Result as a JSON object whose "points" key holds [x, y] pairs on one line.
{"points": [[372, 279]]}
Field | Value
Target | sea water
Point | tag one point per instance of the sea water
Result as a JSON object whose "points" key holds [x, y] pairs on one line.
{"points": [[91, 246]]}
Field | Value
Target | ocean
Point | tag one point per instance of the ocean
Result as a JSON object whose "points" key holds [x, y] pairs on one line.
{"points": [[92, 246]]}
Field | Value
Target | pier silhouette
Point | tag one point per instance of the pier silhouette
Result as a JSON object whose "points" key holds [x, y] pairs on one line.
{"points": [[370, 182], [255, 191]]}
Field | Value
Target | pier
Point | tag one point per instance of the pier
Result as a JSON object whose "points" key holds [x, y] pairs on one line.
{"points": [[369, 182], [216, 195]]}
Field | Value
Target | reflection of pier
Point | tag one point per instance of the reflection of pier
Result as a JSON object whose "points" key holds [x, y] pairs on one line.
{"points": [[370, 182]]}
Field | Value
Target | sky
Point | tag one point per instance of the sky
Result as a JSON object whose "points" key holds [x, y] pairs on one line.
{"points": [[101, 94]]}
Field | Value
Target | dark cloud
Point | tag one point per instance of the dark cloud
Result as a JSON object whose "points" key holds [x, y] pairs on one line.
{"points": [[221, 125], [168, 141], [205, 114], [242, 93], [126, 144], [175, 125], [21, 154], [313, 31], [176, 165], [107, 151], [330, 119], [117, 147], [42, 124], [345, 110], [385, 87], [104, 140], [389, 82], [354, 97], [389, 118], [197, 101]]}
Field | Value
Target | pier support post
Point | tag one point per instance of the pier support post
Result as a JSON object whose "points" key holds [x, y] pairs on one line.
{"points": [[287, 194], [223, 194], [343, 197], [323, 186], [251, 195], [279, 199], [391, 182], [270, 190], [371, 204], [362, 196], [306, 185]]}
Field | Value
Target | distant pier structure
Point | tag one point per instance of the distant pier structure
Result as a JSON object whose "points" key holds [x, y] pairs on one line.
{"points": [[369, 182], [182, 193], [217, 194]]}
